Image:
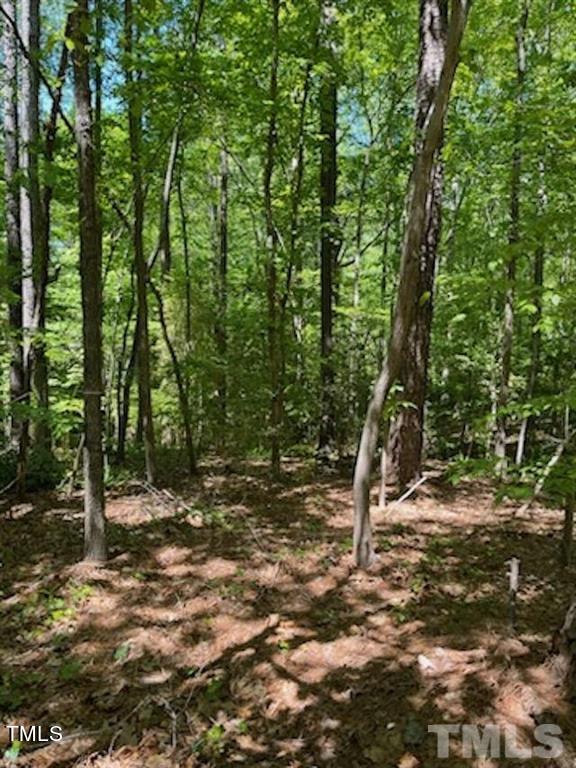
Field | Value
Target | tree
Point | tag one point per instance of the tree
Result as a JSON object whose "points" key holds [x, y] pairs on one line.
{"points": [[420, 187], [220, 217], [536, 331], [329, 235], [91, 284], [274, 331], [134, 99], [513, 242], [17, 388], [408, 430], [34, 254]]}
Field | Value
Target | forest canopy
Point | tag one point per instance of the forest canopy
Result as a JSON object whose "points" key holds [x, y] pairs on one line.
{"points": [[242, 172]]}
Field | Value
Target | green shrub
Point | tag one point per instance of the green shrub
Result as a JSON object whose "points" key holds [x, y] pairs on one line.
{"points": [[44, 471]]}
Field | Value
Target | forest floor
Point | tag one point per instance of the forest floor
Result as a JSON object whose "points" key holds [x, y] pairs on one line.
{"points": [[229, 627]]}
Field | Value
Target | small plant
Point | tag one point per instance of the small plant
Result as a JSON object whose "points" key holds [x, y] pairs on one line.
{"points": [[13, 752], [121, 653], [214, 740], [70, 670], [215, 689], [385, 545]]}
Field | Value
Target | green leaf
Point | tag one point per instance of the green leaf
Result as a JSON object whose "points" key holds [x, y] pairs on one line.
{"points": [[14, 751], [121, 653]]}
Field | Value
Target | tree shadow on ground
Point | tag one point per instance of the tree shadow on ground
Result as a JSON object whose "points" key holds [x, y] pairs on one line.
{"points": [[231, 629]]}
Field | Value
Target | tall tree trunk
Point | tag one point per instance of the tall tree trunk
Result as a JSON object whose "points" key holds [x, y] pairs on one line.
{"points": [[408, 433], [91, 281], [274, 332], [356, 351], [408, 299], [295, 251], [329, 235], [31, 225], [99, 49], [12, 214], [536, 336], [43, 433], [221, 297], [513, 240], [143, 356]]}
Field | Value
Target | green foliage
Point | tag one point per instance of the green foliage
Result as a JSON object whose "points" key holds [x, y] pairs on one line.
{"points": [[16, 689], [461, 469], [218, 94], [13, 751], [69, 670], [44, 470], [121, 653]]}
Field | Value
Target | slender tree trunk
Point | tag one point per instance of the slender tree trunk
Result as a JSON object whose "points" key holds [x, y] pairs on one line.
{"points": [[91, 281], [274, 334], [99, 43], [295, 255], [329, 235], [420, 188], [356, 351], [384, 465], [180, 383], [513, 240], [536, 336], [164, 240], [221, 298], [124, 412], [406, 441], [121, 412], [12, 214], [31, 225], [143, 356], [187, 265], [43, 432]]}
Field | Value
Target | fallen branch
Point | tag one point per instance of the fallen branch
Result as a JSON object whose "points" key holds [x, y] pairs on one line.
{"points": [[546, 473], [8, 487], [409, 492]]}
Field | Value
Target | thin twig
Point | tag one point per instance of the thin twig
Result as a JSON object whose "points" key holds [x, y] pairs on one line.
{"points": [[409, 492]]}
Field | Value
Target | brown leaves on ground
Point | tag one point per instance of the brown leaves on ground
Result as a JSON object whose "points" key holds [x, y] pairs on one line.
{"points": [[230, 628]]}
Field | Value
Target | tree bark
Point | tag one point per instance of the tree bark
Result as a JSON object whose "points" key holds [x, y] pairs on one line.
{"points": [[164, 240], [34, 252], [143, 355], [91, 281], [12, 216], [274, 334], [294, 279], [99, 48], [420, 187], [513, 240], [124, 382], [329, 234], [43, 432], [406, 442]]}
